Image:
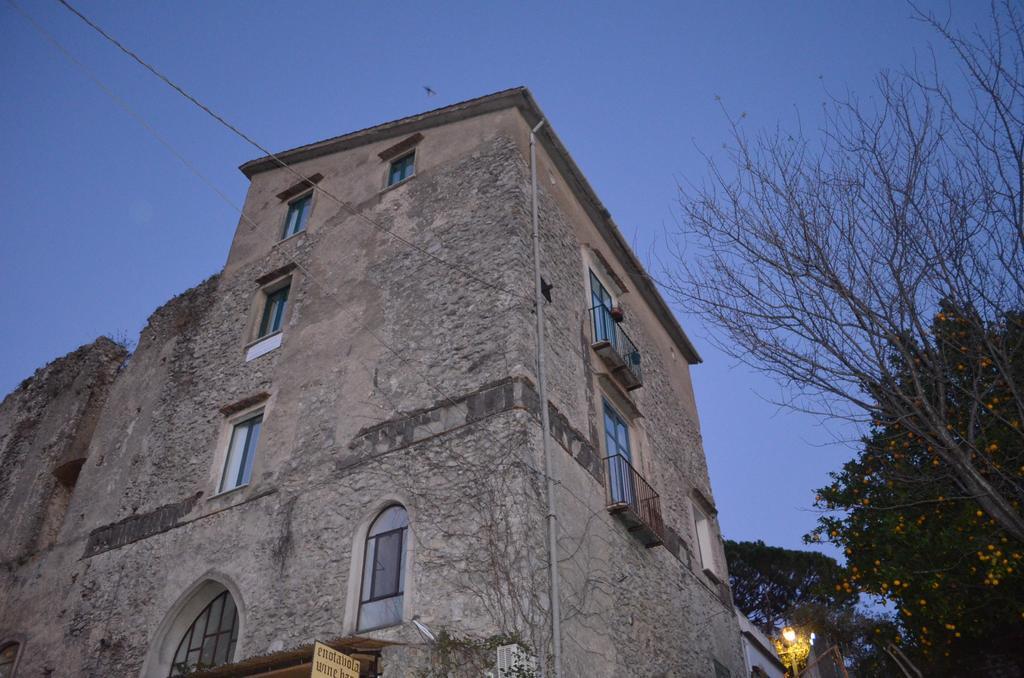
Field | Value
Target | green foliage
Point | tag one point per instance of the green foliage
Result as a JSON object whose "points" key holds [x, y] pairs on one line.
{"points": [[913, 537], [858, 634], [778, 587], [768, 581]]}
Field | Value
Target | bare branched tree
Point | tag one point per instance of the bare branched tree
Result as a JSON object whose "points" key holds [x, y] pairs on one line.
{"points": [[825, 262]]}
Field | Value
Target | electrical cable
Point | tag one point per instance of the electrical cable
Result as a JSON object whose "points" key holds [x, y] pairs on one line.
{"points": [[121, 103], [191, 166], [316, 187], [328, 293], [220, 119], [49, 37]]}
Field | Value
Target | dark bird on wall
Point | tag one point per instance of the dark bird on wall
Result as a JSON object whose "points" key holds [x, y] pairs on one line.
{"points": [[429, 91], [545, 289]]}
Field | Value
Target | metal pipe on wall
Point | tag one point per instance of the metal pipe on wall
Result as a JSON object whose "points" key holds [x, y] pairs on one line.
{"points": [[554, 604]]}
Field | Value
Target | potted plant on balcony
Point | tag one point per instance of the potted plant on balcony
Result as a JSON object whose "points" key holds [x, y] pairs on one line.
{"points": [[616, 313]]}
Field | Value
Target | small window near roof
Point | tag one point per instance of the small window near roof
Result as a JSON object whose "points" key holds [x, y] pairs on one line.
{"points": [[298, 214], [241, 452], [402, 169], [273, 311]]}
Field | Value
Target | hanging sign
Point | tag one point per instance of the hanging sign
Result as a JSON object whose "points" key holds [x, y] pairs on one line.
{"points": [[329, 663]]}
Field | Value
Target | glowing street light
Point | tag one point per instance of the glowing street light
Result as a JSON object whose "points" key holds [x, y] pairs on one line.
{"points": [[794, 648]]}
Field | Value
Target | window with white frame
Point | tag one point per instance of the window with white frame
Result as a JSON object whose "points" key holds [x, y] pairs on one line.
{"points": [[383, 584], [703, 533], [241, 452]]}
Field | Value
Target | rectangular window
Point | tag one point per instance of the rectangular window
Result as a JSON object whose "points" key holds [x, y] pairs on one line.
{"points": [[620, 456], [616, 433], [273, 311], [702, 529], [601, 303], [241, 451], [599, 296], [298, 214], [380, 603], [401, 169], [387, 566]]}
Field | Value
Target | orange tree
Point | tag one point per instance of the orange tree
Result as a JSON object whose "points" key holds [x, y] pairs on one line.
{"points": [[911, 533]]}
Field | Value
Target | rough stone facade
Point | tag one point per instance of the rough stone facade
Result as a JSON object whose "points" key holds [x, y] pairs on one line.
{"points": [[405, 373], [45, 428]]}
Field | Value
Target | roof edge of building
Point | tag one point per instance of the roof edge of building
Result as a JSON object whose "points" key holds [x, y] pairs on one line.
{"points": [[522, 99], [439, 116], [610, 230]]}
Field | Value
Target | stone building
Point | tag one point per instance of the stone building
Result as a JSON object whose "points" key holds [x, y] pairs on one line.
{"points": [[337, 438]]}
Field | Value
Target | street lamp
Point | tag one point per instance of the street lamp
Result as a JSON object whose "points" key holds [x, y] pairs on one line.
{"points": [[793, 649]]}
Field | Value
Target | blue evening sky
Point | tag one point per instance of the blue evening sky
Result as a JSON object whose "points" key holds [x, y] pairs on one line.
{"points": [[101, 224]]}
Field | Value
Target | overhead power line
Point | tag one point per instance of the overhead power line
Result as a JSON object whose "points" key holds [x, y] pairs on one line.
{"points": [[583, 502], [331, 295], [316, 187], [191, 166], [49, 37]]}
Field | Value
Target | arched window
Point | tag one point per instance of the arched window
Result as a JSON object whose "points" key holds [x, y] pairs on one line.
{"points": [[211, 639], [383, 588], [8, 657]]}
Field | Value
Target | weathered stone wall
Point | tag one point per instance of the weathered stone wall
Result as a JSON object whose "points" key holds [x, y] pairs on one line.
{"points": [[373, 331], [45, 428], [642, 611], [399, 378]]}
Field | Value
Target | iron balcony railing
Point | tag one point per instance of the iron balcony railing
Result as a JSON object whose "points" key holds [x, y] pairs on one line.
{"points": [[615, 346], [636, 502]]}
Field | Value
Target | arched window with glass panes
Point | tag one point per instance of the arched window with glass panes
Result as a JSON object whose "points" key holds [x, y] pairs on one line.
{"points": [[210, 640], [383, 585]]}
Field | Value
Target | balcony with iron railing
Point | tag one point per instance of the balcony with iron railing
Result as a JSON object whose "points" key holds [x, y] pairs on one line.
{"points": [[616, 349], [633, 501]]}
